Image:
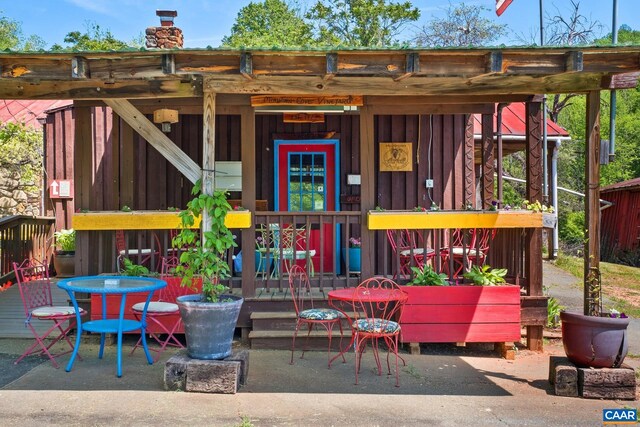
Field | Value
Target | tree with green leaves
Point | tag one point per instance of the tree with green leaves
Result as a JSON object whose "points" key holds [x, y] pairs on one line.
{"points": [[21, 154], [360, 23], [11, 36], [463, 26], [95, 38], [269, 23]]}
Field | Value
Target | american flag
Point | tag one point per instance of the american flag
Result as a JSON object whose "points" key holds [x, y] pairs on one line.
{"points": [[502, 5]]}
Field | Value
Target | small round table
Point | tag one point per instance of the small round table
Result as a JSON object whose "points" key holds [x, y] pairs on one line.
{"points": [[105, 285]]}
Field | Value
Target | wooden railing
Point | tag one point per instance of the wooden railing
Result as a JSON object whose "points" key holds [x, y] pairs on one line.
{"points": [[23, 237]]}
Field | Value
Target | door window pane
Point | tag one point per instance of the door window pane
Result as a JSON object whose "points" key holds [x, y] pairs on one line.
{"points": [[307, 185]]}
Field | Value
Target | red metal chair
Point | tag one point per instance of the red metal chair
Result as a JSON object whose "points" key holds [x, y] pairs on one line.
{"points": [[139, 256], [377, 319], [307, 315], [408, 247], [35, 290], [160, 309], [468, 247]]}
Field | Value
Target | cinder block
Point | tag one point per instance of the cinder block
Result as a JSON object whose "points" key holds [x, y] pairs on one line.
{"points": [[182, 373], [607, 383], [213, 376], [564, 376]]}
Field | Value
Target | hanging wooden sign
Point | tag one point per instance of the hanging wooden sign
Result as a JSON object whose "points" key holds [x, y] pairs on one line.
{"points": [[396, 157], [303, 117], [309, 100]]}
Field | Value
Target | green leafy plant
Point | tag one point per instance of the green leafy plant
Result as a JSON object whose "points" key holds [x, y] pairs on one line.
{"points": [[125, 208], [131, 269], [205, 257], [427, 276], [553, 312], [485, 275], [65, 240], [537, 207]]}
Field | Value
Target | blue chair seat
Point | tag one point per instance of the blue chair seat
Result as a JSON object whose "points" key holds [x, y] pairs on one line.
{"points": [[320, 314]]}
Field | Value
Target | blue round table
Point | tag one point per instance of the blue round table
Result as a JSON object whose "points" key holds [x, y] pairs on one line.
{"points": [[105, 285]]}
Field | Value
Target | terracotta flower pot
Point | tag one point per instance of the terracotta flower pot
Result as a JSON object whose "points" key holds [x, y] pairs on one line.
{"points": [[591, 341]]}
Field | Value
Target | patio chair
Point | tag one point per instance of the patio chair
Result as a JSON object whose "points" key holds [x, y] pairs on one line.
{"points": [[138, 256], [35, 290], [294, 242], [307, 315], [377, 319], [159, 310], [407, 246], [468, 247]]}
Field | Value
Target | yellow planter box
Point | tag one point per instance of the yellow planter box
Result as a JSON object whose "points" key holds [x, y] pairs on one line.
{"points": [[147, 220], [395, 220]]}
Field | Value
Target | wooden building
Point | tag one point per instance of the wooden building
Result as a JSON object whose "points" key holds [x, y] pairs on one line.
{"points": [[621, 220], [322, 138]]}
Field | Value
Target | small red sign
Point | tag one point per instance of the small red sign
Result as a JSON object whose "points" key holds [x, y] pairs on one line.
{"points": [[61, 189]]}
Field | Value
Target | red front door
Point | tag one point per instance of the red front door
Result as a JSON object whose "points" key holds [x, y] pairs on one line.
{"points": [[306, 182]]}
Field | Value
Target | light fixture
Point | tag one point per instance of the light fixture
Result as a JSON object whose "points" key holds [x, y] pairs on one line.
{"points": [[166, 117]]}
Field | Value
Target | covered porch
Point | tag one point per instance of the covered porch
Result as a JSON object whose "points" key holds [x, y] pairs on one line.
{"points": [[421, 102]]}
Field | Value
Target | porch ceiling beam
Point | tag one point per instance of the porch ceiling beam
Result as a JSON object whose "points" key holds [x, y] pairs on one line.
{"points": [[621, 81], [156, 138], [434, 109], [246, 66], [168, 63], [89, 89], [116, 66], [415, 86], [79, 68], [331, 65], [452, 99], [411, 68]]}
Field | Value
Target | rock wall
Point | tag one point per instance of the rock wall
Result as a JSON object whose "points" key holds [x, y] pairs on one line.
{"points": [[17, 198]]}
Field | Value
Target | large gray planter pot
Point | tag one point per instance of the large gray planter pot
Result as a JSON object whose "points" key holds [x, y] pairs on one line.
{"points": [[596, 342], [209, 326]]}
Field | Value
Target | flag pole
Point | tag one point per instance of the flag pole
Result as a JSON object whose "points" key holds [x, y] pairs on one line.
{"points": [[545, 165], [612, 107]]}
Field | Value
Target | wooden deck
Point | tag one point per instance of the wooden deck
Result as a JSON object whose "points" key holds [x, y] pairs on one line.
{"points": [[12, 312]]}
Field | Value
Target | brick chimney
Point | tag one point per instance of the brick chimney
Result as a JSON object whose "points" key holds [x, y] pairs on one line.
{"points": [[166, 36]]}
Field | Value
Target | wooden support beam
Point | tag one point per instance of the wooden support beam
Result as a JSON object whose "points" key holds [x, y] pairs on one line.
{"points": [[412, 67], [469, 163], [208, 154], [487, 160], [574, 61], [248, 157], [494, 62], [367, 190], [592, 206], [79, 68], [168, 63], [83, 180], [533, 237], [332, 66], [155, 137], [434, 109], [246, 66]]}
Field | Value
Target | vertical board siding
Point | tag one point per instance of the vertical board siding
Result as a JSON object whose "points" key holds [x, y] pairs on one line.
{"points": [[620, 235]]}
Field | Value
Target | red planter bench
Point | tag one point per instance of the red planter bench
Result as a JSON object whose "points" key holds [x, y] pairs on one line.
{"points": [[438, 314]]}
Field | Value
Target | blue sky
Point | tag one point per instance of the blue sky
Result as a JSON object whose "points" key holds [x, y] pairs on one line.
{"points": [[205, 22]]}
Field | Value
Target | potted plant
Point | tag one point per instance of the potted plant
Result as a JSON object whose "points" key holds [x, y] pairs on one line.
{"points": [[209, 317], [427, 276], [64, 259], [595, 341], [355, 244]]}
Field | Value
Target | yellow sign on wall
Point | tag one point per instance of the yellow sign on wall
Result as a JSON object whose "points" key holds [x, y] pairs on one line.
{"points": [[396, 157]]}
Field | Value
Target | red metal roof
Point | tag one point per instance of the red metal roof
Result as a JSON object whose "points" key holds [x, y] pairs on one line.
{"points": [[26, 111], [631, 184], [513, 123]]}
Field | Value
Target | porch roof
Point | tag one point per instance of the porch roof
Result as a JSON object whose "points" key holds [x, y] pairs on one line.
{"points": [[429, 75]]}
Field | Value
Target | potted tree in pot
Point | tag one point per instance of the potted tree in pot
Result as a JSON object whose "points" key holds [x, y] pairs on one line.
{"points": [[64, 258], [209, 317]]}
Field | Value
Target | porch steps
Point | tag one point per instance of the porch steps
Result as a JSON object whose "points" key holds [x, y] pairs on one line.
{"points": [[274, 331]]}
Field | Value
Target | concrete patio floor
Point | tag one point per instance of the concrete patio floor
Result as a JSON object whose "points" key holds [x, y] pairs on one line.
{"points": [[444, 386]]}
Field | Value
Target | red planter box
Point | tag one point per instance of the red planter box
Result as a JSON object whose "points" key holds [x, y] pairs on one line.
{"points": [[461, 314], [113, 307]]}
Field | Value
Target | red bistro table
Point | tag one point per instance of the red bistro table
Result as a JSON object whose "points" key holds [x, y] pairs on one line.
{"points": [[343, 300]]}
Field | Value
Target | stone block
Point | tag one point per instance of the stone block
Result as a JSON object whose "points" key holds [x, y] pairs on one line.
{"points": [[213, 376], [564, 376], [607, 383], [182, 373]]}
